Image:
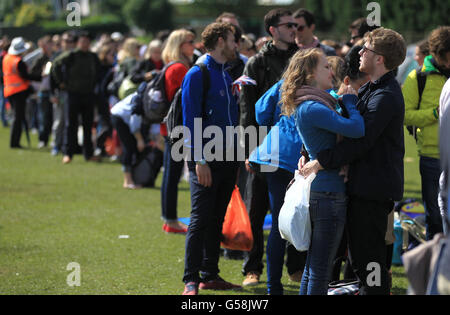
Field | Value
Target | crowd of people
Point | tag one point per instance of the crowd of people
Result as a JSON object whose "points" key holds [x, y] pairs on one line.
{"points": [[339, 109]]}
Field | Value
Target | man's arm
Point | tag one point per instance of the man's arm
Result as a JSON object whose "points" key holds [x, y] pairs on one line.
{"points": [[379, 113]]}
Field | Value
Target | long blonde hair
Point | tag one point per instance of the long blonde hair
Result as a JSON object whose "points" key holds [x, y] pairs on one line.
{"points": [[300, 72], [172, 49]]}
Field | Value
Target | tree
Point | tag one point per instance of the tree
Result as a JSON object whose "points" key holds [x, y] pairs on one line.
{"points": [[150, 15], [30, 13]]}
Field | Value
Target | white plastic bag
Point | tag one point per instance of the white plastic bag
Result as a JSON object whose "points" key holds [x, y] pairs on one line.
{"points": [[294, 222]]}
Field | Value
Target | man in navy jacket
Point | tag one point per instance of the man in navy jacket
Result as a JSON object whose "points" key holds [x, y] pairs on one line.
{"points": [[376, 160], [212, 178]]}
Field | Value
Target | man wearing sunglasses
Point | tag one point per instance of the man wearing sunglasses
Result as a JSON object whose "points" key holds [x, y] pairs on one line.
{"points": [[304, 37], [266, 68]]}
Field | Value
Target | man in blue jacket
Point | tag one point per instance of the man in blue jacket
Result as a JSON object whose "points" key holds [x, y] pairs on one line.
{"points": [[212, 178], [376, 161]]}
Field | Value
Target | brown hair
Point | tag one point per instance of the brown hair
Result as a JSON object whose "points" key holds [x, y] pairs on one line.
{"points": [[424, 48], [298, 73], [337, 65], [104, 50], [439, 42], [389, 44], [213, 32]]}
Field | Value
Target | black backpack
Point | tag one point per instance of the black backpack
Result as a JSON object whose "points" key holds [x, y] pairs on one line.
{"points": [[154, 100], [147, 166], [174, 117], [421, 81]]}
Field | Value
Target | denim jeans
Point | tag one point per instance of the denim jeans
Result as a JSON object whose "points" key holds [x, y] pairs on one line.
{"points": [[169, 187], [430, 171], [328, 214], [45, 117], [277, 183], [209, 205]]}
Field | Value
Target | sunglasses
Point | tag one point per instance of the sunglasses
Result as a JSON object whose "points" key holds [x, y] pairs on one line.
{"points": [[289, 25], [364, 49], [190, 42], [301, 28]]}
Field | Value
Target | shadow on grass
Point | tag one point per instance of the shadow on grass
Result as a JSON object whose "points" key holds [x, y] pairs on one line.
{"points": [[261, 289]]}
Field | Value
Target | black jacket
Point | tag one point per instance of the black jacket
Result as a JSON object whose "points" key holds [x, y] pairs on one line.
{"points": [[266, 68], [376, 160]]}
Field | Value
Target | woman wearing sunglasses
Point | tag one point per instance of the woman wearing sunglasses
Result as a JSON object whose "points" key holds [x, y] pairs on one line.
{"points": [[179, 50]]}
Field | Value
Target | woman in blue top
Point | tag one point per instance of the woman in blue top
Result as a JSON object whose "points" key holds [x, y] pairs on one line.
{"points": [[277, 159], [320, 125]]}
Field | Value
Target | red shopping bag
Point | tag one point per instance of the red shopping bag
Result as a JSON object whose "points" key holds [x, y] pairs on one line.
{"points": [[236, 230]]}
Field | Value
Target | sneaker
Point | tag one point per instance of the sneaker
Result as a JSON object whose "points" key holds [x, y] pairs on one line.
{"points": [[55, 152], [251, 278], [41, 145], [218, 284], [190, 288], [296, 277], [168, 229]]}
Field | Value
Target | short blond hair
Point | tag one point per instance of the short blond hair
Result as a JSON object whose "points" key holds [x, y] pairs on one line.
{"points": [[172, 50], [389, 44]]}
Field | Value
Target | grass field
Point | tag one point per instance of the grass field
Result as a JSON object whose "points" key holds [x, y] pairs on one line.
{"points": [[53, 214]]}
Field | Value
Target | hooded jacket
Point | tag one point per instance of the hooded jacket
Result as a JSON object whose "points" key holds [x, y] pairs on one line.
{"points": [[220, 108], [426, 118]]}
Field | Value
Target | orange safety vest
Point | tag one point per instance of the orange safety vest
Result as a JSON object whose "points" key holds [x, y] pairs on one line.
{"points": [[13, 83]]}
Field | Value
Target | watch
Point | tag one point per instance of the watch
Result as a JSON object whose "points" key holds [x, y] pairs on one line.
{"points": [[201, 162]]}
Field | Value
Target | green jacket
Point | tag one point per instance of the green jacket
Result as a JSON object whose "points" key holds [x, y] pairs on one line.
{"points": [[426, 118], [78, 71]]}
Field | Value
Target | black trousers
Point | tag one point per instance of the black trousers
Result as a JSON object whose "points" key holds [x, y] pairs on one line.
{"points": [[209, 205], [366, 227], [45, 117], [79, 105], [18, 104]]}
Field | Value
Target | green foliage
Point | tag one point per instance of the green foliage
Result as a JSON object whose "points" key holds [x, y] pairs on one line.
{"points": [[242, 8], [410, 16], [30, 13], [149, 15], [95, 24]]}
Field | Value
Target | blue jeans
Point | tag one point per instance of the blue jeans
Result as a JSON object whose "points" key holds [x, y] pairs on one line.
{"points": [[169, 187], [328, 215], [277, 183], [430, 171], [209, 205]]}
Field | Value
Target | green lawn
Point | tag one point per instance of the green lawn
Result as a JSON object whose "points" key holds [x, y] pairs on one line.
{"points": [[53, 214]]}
